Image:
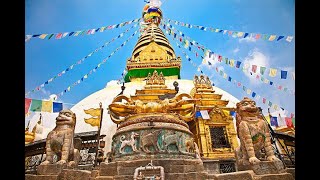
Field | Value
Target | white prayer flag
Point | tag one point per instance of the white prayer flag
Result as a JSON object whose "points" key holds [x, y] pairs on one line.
{"points": [[204, 114]]}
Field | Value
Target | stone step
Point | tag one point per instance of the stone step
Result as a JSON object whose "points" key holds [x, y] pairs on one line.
{"points": [[281, 176], [104, 178], [240, 175], [40, 177]]}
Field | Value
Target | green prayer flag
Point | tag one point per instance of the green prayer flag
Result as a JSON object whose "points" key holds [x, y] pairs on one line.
{"points": [[294, 121], [36, 105], [50, 36], [262, 70]]}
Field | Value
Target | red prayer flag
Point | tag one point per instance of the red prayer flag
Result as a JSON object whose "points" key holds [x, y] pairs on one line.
{"points": [[280, 87], [220, 58], [292, 115], [258, 36], [58, 36], [289, 122], [89, 31], [264, 100], [257, 76], [254, 68], [27, 103]]}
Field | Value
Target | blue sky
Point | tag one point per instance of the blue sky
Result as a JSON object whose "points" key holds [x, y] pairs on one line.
{"points": [[44, 59]]}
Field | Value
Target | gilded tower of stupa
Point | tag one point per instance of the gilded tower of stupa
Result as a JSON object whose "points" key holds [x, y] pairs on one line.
{"points": [[152, 52]]}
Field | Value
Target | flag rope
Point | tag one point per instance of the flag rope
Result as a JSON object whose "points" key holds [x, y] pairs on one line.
{"points": [[77, 33], [208, 51], [80, 61], [238, 34], [235, 82], [98, 66]]}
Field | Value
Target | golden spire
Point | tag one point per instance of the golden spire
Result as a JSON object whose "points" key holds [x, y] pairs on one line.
{"points": [[152, 51]]}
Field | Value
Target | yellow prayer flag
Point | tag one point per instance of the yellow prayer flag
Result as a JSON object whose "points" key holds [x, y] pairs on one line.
{"points": [[96, 115], [204, 61], [273, 72], [225, 75], [266, 81], [93, 121], [232, 62], [267, 118], [248, 91], [240, 34], [217, 30], [46, 106], [42, 36], [272, 37]]}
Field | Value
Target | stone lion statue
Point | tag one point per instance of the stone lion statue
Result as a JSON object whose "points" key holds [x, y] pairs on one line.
{"points": [[253, 133], [60, 140]]}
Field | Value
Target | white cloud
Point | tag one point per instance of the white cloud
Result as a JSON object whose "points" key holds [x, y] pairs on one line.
{"points": [[112, 83], [247, 39], [213, 60], [255, 57], [236, 50]]}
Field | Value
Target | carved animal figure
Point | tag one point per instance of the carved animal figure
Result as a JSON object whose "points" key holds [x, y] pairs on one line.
{"points": [[150, 139], [197, 151], [172, 139], [131, 142], [60, 140], [190, 145], [253, 133]]}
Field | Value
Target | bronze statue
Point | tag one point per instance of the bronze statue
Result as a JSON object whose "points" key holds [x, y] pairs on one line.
{"points": [[60, 140], [253, 132], [182, 104]]}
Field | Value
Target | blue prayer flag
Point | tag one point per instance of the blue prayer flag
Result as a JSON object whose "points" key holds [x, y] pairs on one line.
{"points": [[284, 74]]}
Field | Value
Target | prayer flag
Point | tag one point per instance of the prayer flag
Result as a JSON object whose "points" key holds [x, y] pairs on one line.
{"points": [[27, 103], [262, 70], [272, 37], [57, 107], [273, 72], [273, 121], [289, 122], [283, 74], [36, 105], [46, 106], [254, 68]]}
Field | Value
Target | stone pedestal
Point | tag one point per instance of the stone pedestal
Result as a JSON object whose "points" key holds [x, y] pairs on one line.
{"points": [[58, 172], [240, 175], [173, 168], [264, 167], [282, 176], [50, 169]]}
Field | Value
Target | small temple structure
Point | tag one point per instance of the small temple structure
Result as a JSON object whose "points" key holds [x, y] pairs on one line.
{"points": [[159, 126]]}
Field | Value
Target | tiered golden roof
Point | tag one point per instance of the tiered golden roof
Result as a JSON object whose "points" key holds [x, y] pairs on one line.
{"points": [[152, 52]]}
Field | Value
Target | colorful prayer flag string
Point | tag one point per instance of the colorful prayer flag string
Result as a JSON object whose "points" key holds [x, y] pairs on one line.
{"points": [[36, 105], [229, 79], [77, 33], [98, 66], [230, 62], [80, 61], [272, 71], [238, 34]]}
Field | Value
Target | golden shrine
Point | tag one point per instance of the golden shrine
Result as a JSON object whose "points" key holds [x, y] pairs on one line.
{"points": [[215, 134]]}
